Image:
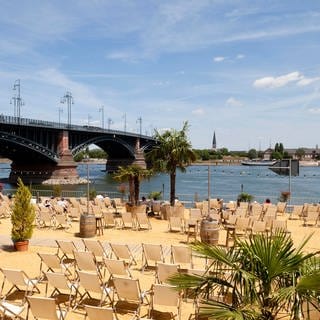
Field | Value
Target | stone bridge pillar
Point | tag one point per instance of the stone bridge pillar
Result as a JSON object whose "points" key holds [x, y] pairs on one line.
{"points": [[66, 167], [139, 156]]}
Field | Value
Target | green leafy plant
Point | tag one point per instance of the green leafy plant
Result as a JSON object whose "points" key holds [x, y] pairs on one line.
{"points": [[23, 214], [156, 195], [245, 197], [57, 190], [92, 194]]}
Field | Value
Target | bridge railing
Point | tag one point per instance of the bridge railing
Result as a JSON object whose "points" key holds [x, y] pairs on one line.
{"points": [[5, 119]]}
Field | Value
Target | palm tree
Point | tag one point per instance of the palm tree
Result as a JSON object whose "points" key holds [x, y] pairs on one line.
{"points": [[263, 276], [132, 174], [172, 151]]}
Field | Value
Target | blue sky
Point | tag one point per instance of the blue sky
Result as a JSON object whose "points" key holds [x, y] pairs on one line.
{"points": [[248, 70]]}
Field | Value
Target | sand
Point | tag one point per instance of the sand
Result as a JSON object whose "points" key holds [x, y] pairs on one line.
{"points": [[43, 240]]}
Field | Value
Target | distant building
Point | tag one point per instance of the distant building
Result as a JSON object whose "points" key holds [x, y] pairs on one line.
{"points": [[310, 153], [214, 142]]}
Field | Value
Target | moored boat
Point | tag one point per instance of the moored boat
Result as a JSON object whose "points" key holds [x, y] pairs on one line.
{"points": [[258, 162]]}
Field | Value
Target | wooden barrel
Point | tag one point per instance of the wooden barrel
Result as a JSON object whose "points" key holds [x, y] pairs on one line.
{"points": [[87, 225], [209, 231]]}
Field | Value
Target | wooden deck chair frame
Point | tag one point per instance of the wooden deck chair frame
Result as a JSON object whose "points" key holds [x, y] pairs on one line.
{"points": [[296, 212], [182, 255], [123, 252], [127, 221], [142, 221], [94, 313], [117, 268], [97, 248], [52, 263], [151, 255], [92, 284], [175, 224], [86, 261], [9, 310], [108, 219], [62, 287], [164, 296], [312, 216], [20, 281], [62, 221], [130, 297], [166, 270], [66, 248], [45, 308]]}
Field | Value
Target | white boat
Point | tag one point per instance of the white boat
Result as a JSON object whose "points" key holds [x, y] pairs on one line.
{"points": [[258, 162]]}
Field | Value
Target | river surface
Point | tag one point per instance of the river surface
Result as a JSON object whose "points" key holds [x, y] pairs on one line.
{"points": [[225, 182]]}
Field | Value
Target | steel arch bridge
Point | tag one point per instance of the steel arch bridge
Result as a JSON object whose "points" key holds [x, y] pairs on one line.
{"points": [[42, 150]]}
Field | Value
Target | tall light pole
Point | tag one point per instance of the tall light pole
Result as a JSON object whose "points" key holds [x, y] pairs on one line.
{"points": [[17, 100], [110, 122], [101, 109], [139, 120], [86, 157], [89, 118], [60, 111], [125, 122], [68, 99]]}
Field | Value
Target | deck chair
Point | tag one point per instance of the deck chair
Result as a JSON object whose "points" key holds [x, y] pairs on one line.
{"points": [[108, 219], [95, 290], [97, 248], [62, 221], [127, 220], [66, 248], [130, 297], [52, 263], [9, 310], [45, 308], [142, 221], [86, 261], [312, 217], [164, 297], [271, 211], [281, 208], [258, 227], [117, 268], [63, 288], [74, 213], [256, 210], [175, 224], [166, 270], [182, 255], [279, 226], [20, 282], [151, 255], [296, 212], [94, 313], [45, 218], [123, 252]]}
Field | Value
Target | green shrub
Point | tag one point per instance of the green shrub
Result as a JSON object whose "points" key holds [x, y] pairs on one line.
{"points": [[23, 214], [245, 197]]}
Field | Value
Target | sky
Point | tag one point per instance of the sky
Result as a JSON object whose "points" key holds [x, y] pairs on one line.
{"points": [[247, 70]]}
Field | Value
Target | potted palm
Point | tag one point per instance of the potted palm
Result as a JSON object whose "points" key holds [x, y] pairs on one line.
{"points": [[22, 218]]}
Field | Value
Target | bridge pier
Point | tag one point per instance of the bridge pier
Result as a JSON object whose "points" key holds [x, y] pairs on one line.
{"points": [[62, 172]]}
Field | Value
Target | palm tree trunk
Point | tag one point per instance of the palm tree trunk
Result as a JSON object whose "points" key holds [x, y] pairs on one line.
{"points": [[136, 190], [172, 187], [131, 190]]}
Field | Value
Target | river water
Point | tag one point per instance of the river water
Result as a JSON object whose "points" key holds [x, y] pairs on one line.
{"points": [[225, 182]]}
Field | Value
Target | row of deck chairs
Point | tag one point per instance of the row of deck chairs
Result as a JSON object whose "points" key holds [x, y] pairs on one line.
{"points": [[100, 300]]}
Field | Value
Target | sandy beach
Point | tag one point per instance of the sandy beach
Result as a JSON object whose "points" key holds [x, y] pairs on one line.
{"points": [[43, 241]]}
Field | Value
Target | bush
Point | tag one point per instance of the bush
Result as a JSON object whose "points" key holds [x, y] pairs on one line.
{"points": [[23, 214], [245, 197]]}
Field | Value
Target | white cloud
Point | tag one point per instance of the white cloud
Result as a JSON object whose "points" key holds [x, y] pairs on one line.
{"points": [[198, 111], [307, 81], [218, 59], [232, 102], [240, 56], [314, 110], [277, 82]]}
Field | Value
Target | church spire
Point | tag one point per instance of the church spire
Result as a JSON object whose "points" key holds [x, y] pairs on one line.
{"points": [[214, 142]]}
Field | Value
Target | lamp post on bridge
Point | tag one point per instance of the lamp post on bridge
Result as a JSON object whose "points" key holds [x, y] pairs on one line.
{"points": [[139, 120], [110, 122], [17, 100], [125, 122], [67, 98], [60, 111], [101, 109]]}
